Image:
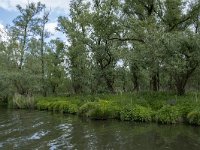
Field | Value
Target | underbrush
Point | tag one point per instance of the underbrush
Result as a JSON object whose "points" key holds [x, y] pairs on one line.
{"points": [[102, 109], [22, 102], [168, 114], [194, 116], [160, 107], [58, 106], [136, 113]]}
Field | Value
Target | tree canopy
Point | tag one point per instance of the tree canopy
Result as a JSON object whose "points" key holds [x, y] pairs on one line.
{"points": [[112, 46]]}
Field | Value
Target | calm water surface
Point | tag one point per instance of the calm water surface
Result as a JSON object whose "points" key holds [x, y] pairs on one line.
{"points": [[37, 130]]}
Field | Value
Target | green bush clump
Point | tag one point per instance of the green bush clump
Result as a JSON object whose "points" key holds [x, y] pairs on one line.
{"points": [[51, 106], [100, 110], [85, 108], [168, 114], [68, 107], [60, 106], [194, 117], [136, 113], [157, 104], [43, 105], [185, 108], [104, 110]]}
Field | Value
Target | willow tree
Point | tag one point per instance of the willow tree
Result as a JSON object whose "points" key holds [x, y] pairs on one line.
{"points": [[181, 41], [55, 60], [147, 22], [24, 26], [103, 44], [43, 35], [22, 30], [75, 29], [139, 22]]}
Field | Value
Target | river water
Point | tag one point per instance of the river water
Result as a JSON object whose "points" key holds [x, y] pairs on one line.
{"points": [[40, 130]]}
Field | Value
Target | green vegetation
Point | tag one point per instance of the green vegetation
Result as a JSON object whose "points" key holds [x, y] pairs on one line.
{"points": [[116, 50], [112, 47], [136, 113], [58, 105], [22, 102], [194, 117], [168, 114], [101, 109], [162, 108]]}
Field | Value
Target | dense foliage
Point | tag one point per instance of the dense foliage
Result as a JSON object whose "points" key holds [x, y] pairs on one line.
{"points": [[115, 47], [136, 107], [112, 46]]}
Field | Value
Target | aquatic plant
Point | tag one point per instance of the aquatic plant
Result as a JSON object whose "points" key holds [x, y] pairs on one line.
{"points": [[22, 102], [102, 109], [168, 114], [194, 117], [136, 113]]}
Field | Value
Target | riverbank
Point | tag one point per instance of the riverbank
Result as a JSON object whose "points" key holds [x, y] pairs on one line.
{"points": [[162, 108], [25, 129]]}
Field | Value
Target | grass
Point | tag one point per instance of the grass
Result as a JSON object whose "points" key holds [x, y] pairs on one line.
{"points": [[22, 102], [164, 108]]}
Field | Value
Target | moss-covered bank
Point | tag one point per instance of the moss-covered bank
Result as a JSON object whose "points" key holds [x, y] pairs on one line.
{"points": [[163, 108]]}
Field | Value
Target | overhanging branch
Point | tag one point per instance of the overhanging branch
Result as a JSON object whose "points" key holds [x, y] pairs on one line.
{"points": [[126, 39]]}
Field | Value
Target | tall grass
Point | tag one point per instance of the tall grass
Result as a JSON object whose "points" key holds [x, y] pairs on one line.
{"points": [[22, 102], [165, 108]]}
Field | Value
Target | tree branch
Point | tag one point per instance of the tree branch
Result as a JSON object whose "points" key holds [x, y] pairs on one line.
{"points": [[126, 39]]}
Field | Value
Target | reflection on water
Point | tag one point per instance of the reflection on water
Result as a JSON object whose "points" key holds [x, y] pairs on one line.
{"points": [[20, 129], [38, 135]]}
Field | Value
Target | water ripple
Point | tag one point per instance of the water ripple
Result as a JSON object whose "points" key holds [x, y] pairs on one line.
{"points": [[9, 131], [38, 124], [64, 139], [64, 127], [38, 135]]}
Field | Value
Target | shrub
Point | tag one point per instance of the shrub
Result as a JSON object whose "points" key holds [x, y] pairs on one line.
{"points": [[185, 108], [100, 110], [68, 107], [194, 117], [43, 105], [136, 113], [51, 106], [168, 114], [85, 108], [60, 106], [126, 114], [157, 104]]}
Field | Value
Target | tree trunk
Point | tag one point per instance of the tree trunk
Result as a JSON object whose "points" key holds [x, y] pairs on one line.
{"points": [[180, 89], [110, 83], [180, 85], [77, 87], [155, 82], [135, 83], [42, 62], [134, 71], [23, 47], [181, 80]]}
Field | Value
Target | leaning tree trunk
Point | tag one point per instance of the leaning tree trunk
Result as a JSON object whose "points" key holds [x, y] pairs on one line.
{"points": [[181, 80]]}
